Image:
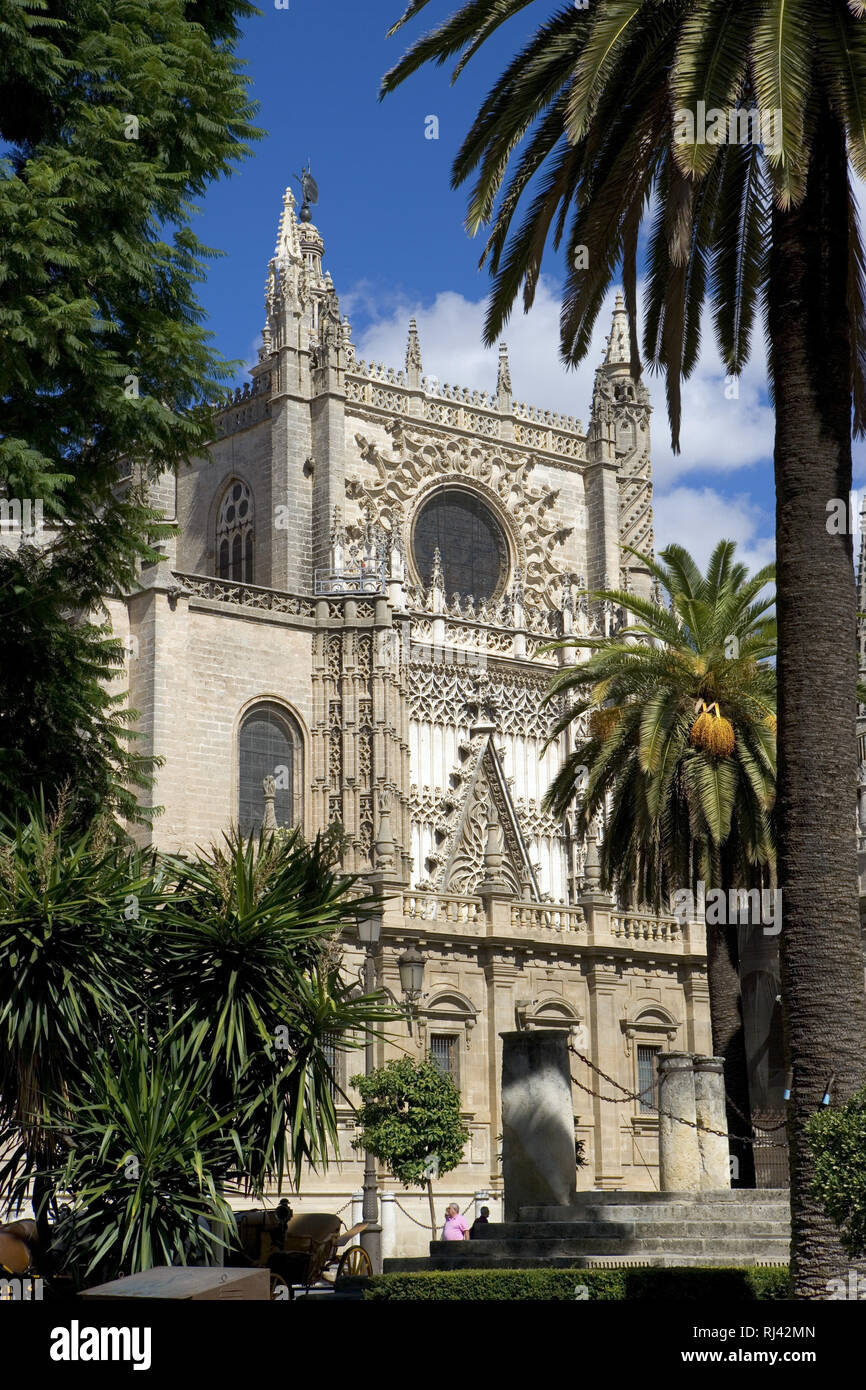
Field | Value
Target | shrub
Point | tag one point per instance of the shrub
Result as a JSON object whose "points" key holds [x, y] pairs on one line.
{"points": [[744, 1285]]}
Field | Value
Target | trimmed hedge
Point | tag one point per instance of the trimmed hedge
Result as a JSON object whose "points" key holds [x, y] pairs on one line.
{"points": [[745, 1285]]}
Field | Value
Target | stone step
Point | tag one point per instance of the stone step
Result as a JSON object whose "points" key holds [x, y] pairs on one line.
{"points": [[660, 1211], [632, 1230], [467, 1252], [739, 1196], [704, 1260]]}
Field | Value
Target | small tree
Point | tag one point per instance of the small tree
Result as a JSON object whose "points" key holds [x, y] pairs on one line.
{"points": [[410, 1120], [837, 1138]]}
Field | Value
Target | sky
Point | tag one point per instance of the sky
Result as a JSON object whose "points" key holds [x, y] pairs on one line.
{"points": [[396, 246]]}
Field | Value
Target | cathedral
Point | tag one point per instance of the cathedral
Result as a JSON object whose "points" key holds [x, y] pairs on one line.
{"points": [[350, 624]]}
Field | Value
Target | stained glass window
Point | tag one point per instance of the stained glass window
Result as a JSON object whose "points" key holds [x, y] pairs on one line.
{"points": [[470, 542], [270, 746]]}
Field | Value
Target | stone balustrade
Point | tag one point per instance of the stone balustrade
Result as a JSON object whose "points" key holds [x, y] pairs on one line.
{"points": [[639, 926], [422, 906], [535, 916], [246, 595]]}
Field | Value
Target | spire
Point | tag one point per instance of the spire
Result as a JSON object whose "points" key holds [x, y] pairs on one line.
{"points": [[618, 343], [503, 378], [288, 247], [413, 356]]}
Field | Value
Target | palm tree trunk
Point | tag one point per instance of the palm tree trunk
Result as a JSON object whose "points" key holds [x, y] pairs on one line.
{"points": [[729, 1042], [821, 955]]}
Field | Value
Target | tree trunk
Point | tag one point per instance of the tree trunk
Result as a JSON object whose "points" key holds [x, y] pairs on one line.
{"points": [[432, 1209], [729, 1042], [821, 955]]}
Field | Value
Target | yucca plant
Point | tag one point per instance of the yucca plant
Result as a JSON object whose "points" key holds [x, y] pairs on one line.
{"points": [[249, 967], [72, 910], [583, 132], [148, 1155], [682, 808]]}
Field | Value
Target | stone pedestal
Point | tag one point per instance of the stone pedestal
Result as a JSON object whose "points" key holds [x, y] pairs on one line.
{"points": [[711, 1113], [537, 1121], [679, 1152], [389, 1225]]}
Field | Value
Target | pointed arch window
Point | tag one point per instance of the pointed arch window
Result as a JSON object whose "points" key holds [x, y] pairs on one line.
{"points": [[269, 745], [235, 534]]}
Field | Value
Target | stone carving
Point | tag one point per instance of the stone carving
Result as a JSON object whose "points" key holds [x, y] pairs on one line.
{"points": [[441, 694], [501, 475]]}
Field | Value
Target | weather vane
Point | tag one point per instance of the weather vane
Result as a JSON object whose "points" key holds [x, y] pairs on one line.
{"points": [[309, 192]]}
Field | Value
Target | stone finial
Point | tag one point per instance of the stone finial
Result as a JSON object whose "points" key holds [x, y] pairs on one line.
{"points": [[503, 378], [288, 246], [269, 787], [619, 342], [413, 356], [592, 864]]}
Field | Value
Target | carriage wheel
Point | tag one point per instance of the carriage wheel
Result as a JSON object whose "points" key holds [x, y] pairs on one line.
{"points": [[281, 1292], [355, 1260]]}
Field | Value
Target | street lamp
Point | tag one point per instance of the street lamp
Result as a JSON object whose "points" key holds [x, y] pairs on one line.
{"points": [[411, 967], [369, 931]]}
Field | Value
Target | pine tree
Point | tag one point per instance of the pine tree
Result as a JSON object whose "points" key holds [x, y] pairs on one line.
{"points": [[114, 117]]}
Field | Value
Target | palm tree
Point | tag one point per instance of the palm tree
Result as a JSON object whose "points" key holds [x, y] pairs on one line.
{"points": [[70, 948], [248, 964], [586, 119], [688, 796]]}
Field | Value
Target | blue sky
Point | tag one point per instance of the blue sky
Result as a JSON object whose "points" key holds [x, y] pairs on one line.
{"points": [[395, 245]]}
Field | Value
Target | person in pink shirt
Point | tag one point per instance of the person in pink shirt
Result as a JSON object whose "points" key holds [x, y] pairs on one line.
{"points": [[455, 1227]]}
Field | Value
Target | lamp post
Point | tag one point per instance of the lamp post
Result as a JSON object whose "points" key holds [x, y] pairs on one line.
{"points": [[369, 931], [411, 967]]}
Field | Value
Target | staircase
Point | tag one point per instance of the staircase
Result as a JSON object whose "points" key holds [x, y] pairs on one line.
{"points": [[609, 1229]]}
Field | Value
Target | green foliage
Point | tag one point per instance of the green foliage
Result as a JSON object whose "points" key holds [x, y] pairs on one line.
{"points": [[245, 957], [410, 1115], [182, 1008], [148, 1153], [837, 1138], [62, 727], [579, 136], [677, 812], [103, 356], [601, 1285], [71, 944]]}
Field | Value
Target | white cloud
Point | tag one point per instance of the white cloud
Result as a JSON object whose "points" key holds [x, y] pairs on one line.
{"points": [[718, 435], [698, 518]]}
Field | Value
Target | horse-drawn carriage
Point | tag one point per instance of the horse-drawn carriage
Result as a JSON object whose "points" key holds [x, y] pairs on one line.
{"points": [[298, 1250]]}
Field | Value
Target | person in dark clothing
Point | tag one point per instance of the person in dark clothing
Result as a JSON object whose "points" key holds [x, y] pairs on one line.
{"points": [[482, 1219]]}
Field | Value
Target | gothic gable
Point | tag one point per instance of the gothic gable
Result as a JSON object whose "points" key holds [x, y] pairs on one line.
{"points": [[486, 796]]}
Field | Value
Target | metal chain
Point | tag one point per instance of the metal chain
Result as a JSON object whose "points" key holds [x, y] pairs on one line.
{"points": [[635, 1095], [422, 1224]]}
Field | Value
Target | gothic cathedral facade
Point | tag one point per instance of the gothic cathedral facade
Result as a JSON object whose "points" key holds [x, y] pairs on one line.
{"points": [[350, 624]]}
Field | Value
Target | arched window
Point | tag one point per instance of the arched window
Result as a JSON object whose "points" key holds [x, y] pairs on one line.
{"points": [[234, 533], [269, 745]]}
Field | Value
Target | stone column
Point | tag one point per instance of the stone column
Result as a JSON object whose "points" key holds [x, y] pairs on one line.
{"points": [[388, 1220], [711, 1113], [537, 1121], [679, 1155]]}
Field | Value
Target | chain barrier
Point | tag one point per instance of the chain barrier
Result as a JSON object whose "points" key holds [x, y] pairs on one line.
{"points": [[422, 1224], [628, 1095]]}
